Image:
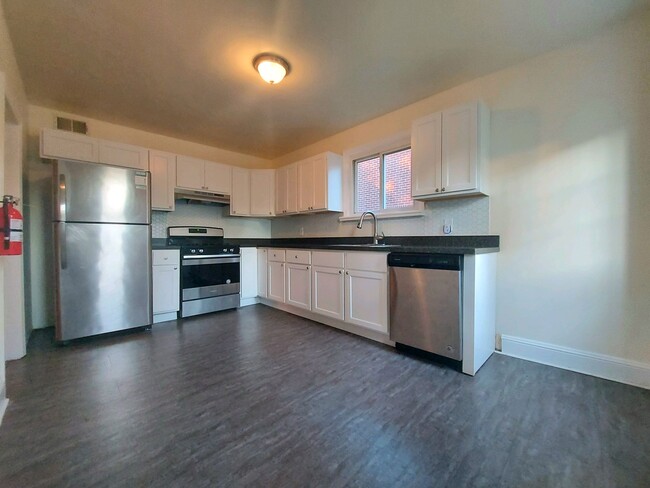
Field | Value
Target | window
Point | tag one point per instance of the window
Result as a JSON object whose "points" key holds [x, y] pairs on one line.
{"points": [[383, 181]]}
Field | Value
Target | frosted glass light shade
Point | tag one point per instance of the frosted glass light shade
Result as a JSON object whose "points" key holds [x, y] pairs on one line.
{"points": [[271, 68]]}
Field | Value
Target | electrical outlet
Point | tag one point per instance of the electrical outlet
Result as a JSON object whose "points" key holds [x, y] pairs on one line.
{"points": [[447, 226]]}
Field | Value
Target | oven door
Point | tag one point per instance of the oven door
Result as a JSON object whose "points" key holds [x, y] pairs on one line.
{"points": [[209, 277]]}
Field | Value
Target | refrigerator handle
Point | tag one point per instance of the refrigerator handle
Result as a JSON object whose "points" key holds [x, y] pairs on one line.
{"points": [[63, 198], [63, 245]]}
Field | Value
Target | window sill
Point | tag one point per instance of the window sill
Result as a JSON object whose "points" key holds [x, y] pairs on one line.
{"points": [[383, 216]]}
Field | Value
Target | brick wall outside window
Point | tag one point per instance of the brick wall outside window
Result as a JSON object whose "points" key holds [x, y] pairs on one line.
{"points": [[397, 182]]}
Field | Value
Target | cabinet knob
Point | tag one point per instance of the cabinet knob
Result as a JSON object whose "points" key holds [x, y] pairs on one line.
{"points": [[307, 267], [347, 273], [437, 190], [340, 272], [443, 188], [175, 269]]}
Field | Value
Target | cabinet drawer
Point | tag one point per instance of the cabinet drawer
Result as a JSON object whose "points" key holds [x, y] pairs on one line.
{"points": [[277, 255], [328, 259], [298, 256], [367, 261], [166, 256]]}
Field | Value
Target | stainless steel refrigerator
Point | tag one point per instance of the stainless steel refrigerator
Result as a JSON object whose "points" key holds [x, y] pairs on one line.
{"points": [[102, 242]]}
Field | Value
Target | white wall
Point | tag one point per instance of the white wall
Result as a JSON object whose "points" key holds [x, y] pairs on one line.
{"points": [[569, 189], [14, 104]]}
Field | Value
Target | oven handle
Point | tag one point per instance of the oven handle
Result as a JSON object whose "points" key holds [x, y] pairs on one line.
{"points": [[197, 261], [203, 256]]}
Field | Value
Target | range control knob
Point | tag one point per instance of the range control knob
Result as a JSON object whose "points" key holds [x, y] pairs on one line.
{"points": [[200, 251], [225, 250], [193, 251], [232, 250]]}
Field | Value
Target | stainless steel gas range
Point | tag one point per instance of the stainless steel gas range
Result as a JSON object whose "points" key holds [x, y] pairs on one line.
{"points": [[210, 277]]}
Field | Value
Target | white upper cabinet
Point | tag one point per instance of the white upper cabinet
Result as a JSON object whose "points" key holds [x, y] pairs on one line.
{"points": [[448, 152], [61, 144], [253, 192], [163, 180], [320, 183], [262, 192], [426, 155], [126, 155], [197, 174], [217, 177], [286, 190], [306, 184], [190, 173], [240, 200]]}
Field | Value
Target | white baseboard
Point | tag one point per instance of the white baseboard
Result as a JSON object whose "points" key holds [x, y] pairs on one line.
{"points": [[600, 365], [245, 302], [3, 408]]}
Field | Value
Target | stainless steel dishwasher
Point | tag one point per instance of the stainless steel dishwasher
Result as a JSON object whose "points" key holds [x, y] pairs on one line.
{"points": [[426, 302]]}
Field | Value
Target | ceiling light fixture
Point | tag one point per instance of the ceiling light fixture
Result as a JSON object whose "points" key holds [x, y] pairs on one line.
{"points": [[272, 68]]}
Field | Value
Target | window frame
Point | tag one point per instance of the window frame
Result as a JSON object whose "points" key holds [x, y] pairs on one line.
{"points": [[380, 148]]}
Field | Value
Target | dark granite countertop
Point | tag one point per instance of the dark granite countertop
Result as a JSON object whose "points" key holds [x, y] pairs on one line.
{"points": [[422, 244]]}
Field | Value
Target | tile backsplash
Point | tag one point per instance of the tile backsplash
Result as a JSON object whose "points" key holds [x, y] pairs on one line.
{"points": [[209, 215], [471, 216]]}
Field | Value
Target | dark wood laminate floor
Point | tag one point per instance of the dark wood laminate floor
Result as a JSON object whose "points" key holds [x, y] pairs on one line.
{"points": [[257, 397]]}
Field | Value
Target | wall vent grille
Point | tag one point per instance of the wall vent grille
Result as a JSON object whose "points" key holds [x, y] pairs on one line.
{"points": [[71, 125]]}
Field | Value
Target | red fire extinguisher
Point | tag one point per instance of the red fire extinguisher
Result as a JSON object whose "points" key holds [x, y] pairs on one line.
{"points": [[11, 228]]}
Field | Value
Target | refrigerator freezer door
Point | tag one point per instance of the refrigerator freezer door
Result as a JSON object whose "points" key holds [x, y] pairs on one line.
{"points": [[89, 192], [103, 280]]}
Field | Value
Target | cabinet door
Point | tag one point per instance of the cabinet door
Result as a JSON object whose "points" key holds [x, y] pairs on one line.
{"points": [[240, 199], [248, 274], [163, 180], [319, 182], [426, 155], [299, 285], [262, 273], [125, 155], [366, 299], [60, 144], [276, 281], [306, 185], [292, 188], [281, 191], [459, 148], [217, 177], [190, 173], [328, 291], [262, 192], [166, 289]]}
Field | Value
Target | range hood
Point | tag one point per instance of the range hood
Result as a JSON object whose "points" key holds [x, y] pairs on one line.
{"points": [[202, 196]]}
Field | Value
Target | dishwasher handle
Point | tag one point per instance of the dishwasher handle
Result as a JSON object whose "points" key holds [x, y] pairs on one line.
{"points": [[451, 262]]}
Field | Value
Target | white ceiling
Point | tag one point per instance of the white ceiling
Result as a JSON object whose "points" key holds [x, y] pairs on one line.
{"points": [[183, 68]]}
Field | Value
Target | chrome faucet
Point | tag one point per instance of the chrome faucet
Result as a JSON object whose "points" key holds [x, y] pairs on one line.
{"points": [[375, 237]]}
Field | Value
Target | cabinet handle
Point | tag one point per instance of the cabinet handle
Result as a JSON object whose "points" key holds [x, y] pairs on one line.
{"points": [[175, 269]]}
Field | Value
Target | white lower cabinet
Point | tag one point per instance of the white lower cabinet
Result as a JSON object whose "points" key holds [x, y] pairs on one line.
{"points": [[248, 276], [328, 291], [262, 273], [366, 299], [166, 285], [276, 281], [350, 287], [299, 285]]}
